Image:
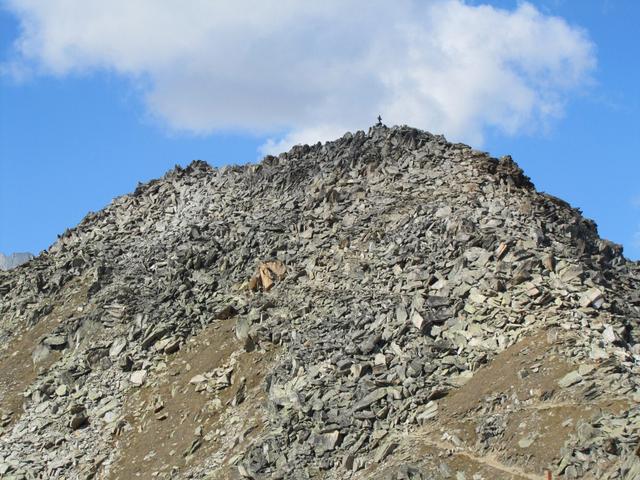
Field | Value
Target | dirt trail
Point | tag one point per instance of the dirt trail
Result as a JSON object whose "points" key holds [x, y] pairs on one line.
{"points": [[487, 460], [474, 426]]}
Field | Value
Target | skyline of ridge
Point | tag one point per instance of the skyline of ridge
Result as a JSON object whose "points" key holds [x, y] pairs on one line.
{"points": [[89, 110]]}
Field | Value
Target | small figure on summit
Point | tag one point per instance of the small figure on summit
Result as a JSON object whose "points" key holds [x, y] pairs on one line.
{"points": [[379, 121]]}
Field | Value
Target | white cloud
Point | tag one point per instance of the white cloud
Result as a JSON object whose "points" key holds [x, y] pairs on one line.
{"points": [[317, 69]]}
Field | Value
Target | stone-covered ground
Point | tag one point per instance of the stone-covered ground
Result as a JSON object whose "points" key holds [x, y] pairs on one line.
{"points": [[388, 305]]}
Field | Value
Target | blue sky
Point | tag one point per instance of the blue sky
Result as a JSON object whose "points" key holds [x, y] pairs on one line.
{"points": [[87, 111]]}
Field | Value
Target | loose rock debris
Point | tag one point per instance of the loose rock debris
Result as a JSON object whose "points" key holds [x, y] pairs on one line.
{"points": [[325, 314]]}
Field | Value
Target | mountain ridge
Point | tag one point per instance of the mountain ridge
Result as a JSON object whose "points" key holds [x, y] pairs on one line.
{"points": [[7, 262], [326, 313]]}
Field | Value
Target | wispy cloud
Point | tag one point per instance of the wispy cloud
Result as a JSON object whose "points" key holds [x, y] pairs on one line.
{"points": [[316, 69]]}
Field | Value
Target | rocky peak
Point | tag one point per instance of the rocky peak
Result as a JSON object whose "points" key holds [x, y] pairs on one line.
{"points": [[386, 305]]}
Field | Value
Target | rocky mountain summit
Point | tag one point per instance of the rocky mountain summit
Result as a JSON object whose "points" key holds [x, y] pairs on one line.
{"points": [[388, 305], [7, 262]]}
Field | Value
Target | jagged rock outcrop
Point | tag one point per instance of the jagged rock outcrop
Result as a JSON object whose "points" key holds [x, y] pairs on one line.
{"points": [[387, 305], [7, 262]]}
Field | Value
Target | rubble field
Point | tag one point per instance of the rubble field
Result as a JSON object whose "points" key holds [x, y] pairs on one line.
{"points": [[388, 305]]}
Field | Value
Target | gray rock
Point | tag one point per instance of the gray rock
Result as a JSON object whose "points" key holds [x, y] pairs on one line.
{"points": [[385, 450], [77, 421], [55, 342], [138, 377], [370, 398], [40, 353], [592, 298], [324, 442], [368, 278], [570, 379]]}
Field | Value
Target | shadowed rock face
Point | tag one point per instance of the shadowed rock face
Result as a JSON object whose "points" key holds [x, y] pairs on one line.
{"points": [[387, 305], [7, 262]]}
